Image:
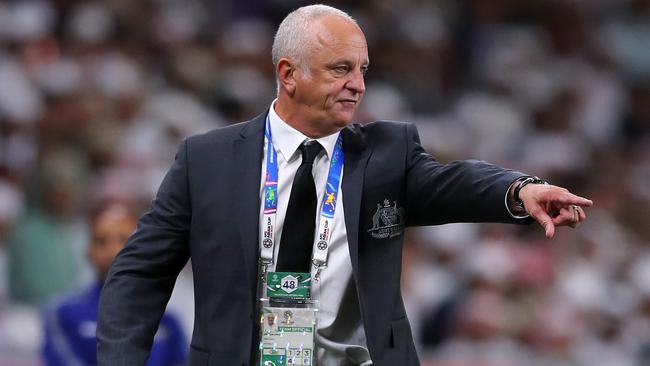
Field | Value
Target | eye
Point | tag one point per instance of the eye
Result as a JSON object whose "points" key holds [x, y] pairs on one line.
{"points": [[364, 70], [341, 69], [99, 240]]}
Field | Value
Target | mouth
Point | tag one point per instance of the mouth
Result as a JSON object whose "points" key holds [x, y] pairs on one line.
{"points": [[348, 101]]}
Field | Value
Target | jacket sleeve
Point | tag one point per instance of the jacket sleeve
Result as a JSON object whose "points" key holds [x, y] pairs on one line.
{"points": [[143, 274], [461, 191]]}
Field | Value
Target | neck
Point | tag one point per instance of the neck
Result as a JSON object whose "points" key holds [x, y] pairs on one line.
{"points": [[297, 118]]}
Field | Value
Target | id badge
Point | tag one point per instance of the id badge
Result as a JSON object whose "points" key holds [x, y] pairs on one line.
{"points": [[288, 327], [288, 285], [288, 320]]}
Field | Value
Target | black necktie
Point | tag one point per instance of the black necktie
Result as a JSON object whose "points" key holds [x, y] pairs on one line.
{"points": [[300, 220]]}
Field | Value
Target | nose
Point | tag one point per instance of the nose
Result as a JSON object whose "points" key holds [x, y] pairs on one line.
{"points": [[356, 82]]}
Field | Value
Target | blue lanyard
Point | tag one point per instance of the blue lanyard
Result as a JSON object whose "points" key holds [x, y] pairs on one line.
{"points": [[319, 256]]}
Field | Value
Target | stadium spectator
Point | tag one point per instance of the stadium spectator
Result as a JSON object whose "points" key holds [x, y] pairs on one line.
{"points": [[70, 325]]}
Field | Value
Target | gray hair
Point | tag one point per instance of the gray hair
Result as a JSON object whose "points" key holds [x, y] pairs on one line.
{"points": [[291, 39]]}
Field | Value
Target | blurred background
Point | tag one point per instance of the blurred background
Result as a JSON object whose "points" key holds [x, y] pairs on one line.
{"points": [[95, 97]]}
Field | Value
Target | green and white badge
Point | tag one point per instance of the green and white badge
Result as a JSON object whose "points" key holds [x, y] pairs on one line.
{"points": [[288, 285], [288, 320], [287, 333]]}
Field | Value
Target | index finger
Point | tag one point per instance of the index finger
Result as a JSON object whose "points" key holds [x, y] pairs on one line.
{"points": [[572, 199]]}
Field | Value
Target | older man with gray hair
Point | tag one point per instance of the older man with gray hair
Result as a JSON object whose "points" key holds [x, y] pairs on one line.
{"points": [[295, 220]]}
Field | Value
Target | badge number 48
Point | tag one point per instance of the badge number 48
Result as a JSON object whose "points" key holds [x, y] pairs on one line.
{"points": [[289, 284]]}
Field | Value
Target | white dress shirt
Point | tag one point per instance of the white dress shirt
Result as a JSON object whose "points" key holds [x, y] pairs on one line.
{"points": [[340, 337]]}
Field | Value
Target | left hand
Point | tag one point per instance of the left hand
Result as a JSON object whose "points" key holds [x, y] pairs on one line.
{"points": [[553, 206]]}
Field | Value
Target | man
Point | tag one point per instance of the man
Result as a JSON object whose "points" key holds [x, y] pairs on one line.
{"points": [[210, 208], [70, 326]]}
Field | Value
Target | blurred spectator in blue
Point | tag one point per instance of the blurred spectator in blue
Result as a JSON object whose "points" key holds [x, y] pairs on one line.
{"points": [[70, 325]]}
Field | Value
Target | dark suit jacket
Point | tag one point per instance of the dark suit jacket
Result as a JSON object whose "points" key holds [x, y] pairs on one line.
{"points": [[207, 209]]}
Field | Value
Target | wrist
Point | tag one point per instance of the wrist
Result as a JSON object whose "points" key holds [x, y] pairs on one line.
{"points": [[519, 185]]}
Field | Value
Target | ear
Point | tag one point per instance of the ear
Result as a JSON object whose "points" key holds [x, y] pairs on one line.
{"points": [[285, 71]]}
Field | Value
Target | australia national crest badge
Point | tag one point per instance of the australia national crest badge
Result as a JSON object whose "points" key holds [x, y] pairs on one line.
{"points": [[388, 220]]}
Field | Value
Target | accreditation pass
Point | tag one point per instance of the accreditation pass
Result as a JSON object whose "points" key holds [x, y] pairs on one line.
{"points": [[287, 334]]}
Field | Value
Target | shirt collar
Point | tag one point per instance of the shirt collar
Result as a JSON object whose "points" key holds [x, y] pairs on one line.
{"points": [[286, 139]]}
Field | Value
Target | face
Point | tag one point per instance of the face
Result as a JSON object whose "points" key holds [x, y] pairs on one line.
{"points": [[329, 85], [110, 231]]}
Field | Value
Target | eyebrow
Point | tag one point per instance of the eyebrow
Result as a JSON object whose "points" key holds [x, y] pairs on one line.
{"points": [[347, 62]]}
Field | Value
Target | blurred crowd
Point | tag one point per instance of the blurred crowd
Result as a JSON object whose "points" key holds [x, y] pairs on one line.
{"points": [[95, 97]]}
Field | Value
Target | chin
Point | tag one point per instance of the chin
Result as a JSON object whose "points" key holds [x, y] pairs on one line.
{"points": [[343, 119], [342, 123]]}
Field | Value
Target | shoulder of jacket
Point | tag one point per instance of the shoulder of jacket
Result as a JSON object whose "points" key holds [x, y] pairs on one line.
{"points": [[380, 127], [228, 133], [225, 132]]}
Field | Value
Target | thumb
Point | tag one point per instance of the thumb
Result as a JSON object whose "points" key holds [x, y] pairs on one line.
{"points": [[544, 220]]}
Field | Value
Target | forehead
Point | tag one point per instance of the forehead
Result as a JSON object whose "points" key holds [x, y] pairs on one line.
{"points": [[336, 37], [113, 220]]}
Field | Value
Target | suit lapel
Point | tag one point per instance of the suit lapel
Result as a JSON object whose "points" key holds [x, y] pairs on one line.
{"points": [[357, 154], [248, 165]]}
